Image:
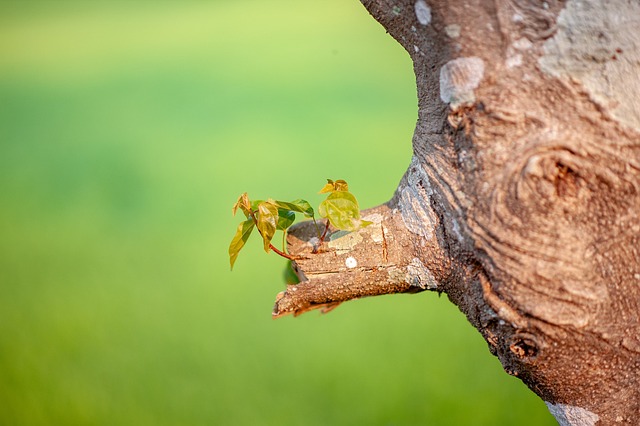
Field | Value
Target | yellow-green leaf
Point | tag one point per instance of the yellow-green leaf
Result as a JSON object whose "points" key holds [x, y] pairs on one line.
{"points": [[342, 210], [241, 237], [331, 186], [267, 222], [244, 204], [341, 185]]}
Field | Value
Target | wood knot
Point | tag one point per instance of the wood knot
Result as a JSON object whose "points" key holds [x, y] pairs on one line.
{"points": [[552, 175], [566, 180], [524, 346]]}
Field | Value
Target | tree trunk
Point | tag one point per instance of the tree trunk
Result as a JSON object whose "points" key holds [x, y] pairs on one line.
{"points": [[522, 197]]}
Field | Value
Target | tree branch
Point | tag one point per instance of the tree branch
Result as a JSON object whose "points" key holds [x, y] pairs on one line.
{"points": [[375, 260]]}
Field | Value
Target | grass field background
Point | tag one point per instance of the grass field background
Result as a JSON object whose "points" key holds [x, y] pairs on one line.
{"points": [[127, 131]]}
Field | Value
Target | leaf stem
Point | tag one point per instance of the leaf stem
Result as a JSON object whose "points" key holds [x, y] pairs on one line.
{"points": [[324, 234], [284, 240], [271, 246], [316, 224], [281, 253]]}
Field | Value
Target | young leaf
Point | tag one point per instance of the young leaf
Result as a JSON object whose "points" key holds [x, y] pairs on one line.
{"points": [[341, 185], [331, 186], [244, 204], [342, 210], [241, 237], [267, 222], [300, 206], [285, 219]]}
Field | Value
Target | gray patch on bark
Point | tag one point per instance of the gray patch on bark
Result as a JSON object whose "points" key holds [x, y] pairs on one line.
{"points": [[414, 205], [343, 241], [598, 44], [414, 274], [423, 12], [419, 275], [452, 30], [458, 80], [568, 415]]}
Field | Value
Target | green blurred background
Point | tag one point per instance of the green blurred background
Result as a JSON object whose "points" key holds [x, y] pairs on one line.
{"points": [[127, 130]]}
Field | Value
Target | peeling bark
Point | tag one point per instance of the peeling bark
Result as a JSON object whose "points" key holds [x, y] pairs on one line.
{"points": [[521, 202]]}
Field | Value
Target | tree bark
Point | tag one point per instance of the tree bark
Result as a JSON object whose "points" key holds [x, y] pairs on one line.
{"points": [[522, 197]]}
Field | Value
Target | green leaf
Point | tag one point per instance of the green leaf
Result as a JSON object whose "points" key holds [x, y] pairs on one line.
{"points": [[342, 210], [267, 222], [300, 206], [241, 237], [285, 219], [290, 276], [243, 204]]}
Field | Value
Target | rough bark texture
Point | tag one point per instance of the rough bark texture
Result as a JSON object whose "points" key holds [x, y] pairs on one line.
{"points": [[521, 202]]}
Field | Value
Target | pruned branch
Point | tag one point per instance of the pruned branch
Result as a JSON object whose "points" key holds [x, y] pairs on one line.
{"points": [[375, 260]]}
